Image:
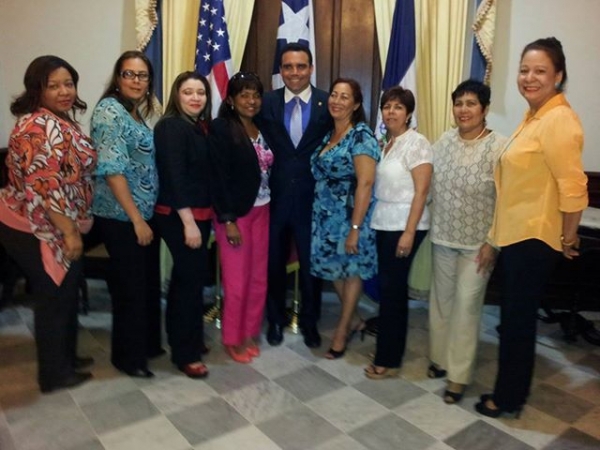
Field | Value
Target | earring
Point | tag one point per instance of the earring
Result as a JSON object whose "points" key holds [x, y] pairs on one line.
{"points": [[231, 106], [117, 89], [557, 86]]}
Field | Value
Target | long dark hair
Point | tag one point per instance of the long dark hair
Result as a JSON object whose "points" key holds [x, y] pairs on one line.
{"points": [[112, 89], [36, 80], [236, 84], [173, 108], [358, 115]]}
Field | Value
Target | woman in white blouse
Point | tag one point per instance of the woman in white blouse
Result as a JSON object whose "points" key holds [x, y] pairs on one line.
{"points": [[463, 197], [401, 219]]}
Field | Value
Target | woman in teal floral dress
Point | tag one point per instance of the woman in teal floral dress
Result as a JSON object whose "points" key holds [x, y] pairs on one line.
{"points": [[343, 245]]}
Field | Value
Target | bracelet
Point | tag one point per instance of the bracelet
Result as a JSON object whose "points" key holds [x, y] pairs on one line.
{"points": [[355, 227], [229, 222], [567, 244]]}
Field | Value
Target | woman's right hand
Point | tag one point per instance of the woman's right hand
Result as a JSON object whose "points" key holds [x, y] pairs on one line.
{"points": [[234, 236], [73, 246], [143, 232], [193, 237]]}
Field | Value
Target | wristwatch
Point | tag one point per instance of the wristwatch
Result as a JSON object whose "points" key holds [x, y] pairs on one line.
{"points": [[355, 227]]}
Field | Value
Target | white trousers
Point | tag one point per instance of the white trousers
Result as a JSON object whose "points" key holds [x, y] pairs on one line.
{"points": [[455, 304]]}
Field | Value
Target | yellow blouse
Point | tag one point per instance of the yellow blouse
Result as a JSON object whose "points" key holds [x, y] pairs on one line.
{"points": [[540, 176]]}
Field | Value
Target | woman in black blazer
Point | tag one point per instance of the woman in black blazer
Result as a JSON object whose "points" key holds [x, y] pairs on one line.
{"points": [[183, 214], [241, 162]]}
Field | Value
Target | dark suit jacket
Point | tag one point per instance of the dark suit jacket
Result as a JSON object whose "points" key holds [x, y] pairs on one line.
{"points": [[235, 174], [291, 174], [182, 163]]}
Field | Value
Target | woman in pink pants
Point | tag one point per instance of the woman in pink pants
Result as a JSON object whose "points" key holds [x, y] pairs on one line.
{"points": [[241, 162]]}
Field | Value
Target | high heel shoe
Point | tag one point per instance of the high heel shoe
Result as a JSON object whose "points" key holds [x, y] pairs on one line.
{"points": [[253, 350], [335, 354], [388, 372], [361, 329], [483, 409], [435, 372], [452, 396], [241, 357]]}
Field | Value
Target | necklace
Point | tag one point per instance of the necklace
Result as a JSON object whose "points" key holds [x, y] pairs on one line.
{"points": [[477, 137]]}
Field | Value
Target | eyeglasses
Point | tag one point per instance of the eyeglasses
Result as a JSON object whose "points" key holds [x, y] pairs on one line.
{"points": [[131, 75], [245, 76]]}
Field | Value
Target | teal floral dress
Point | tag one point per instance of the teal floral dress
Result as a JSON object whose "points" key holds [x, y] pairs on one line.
{"points": [[334, 190]]}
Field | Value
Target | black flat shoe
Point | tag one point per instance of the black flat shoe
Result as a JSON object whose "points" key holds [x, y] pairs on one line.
{"points": [[335, 354], [136, 373], [434, 372], [72, 380], [312, 338], [81, 362], [483, 409], [275, 334]]}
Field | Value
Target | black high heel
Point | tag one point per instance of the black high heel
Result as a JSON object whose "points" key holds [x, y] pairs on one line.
{"points": [[485, 410], [360, 328], [435, 372], [450, 398], [335, 354]]}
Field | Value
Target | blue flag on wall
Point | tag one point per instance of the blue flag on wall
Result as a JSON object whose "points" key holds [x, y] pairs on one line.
{"points": [[400, 64], [154, 53], [478, 63]]}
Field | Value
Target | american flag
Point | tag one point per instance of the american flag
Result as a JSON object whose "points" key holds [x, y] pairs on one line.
{"points": [[296, 24], [213, 57]]}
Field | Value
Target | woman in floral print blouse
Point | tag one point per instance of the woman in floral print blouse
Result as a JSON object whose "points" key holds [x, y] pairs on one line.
{"points": [[46, 207]]}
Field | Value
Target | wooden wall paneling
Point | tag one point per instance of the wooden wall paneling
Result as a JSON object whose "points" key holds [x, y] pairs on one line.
{"points": [[357, 46], [326, 34], [262, 37]]}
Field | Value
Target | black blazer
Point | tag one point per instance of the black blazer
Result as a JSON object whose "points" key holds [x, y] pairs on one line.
{"points": [[182, 163], [235, 174], [291, 174]]}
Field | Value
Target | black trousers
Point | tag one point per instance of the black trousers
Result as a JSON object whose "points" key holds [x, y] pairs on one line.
{"points": [[135, 291], [393, 289], [55, 307], [526, 268], [291, 224], [184, 317]]}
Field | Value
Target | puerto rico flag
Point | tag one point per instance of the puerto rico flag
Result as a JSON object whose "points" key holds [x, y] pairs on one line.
{"points": [[296, 24]]}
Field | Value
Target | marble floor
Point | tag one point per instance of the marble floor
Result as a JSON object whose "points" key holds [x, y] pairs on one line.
{"points": [[291, 397]]}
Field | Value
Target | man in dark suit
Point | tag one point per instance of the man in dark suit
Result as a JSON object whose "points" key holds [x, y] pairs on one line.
{"points": [[293, 136]]}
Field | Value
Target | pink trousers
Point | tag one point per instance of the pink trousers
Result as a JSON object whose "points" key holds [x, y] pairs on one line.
{"points": [[244, 276]]}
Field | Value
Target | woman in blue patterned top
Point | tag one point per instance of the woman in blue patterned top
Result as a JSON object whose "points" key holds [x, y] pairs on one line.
{"points": [[342, 244], [126, 191]]}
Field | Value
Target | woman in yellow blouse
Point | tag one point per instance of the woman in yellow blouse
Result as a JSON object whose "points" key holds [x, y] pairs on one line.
{"points": [[541, 192]]}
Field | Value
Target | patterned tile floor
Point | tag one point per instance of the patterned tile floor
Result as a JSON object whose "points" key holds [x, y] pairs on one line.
{"points": [[291, 397]]}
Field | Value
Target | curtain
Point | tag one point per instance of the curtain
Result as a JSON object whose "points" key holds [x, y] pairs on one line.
{"points": [[384, 13], [441, 34], [239, 15], [180, 25]]}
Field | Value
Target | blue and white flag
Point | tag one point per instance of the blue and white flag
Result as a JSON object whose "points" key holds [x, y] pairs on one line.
{"points": [[400, 65], [213, 56], [149, 37], [484, 29], [296, 24]]}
